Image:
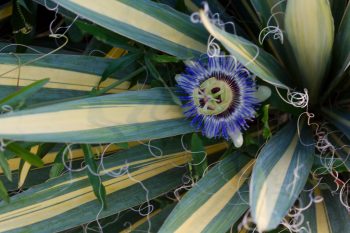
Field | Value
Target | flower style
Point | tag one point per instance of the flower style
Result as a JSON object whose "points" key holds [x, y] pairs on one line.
{"points": [[220, 95]]}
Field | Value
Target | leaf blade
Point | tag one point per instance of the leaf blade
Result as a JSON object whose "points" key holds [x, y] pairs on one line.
{"points": [[279, 175], [255, 59], [105, 119], [144, 21], [24, 154], [51, 202], [212, 211]]}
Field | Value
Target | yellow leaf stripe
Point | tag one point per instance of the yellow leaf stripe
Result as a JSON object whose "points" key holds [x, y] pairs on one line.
{"points": [[59, 78], [223, 37], [76, 154], [272, 186], [207, 212], [66, 201], [87, 118], [121, 12], [209, 149], [322, 221]]}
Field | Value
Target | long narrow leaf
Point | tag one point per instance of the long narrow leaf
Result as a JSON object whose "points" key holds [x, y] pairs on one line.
{"points": [[340, 119], [69, 200], [97, 186], [311, 40], [130, 116], [153, 24], [24, 154], [279, 175], [342, 48], [24, 93], [216, 202], [327, 216], [255, 59]]}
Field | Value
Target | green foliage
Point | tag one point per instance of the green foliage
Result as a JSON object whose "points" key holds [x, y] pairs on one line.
{"points": [[93, 137]]}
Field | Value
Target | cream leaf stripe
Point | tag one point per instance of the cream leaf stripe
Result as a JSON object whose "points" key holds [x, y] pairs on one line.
{"points": [[126, 14], [87, 118], [58, 205], [322, 221], [238, 48], [76, 153], [59, 78], [154, 167], [212, 149], [272, 186], [211, 208]]}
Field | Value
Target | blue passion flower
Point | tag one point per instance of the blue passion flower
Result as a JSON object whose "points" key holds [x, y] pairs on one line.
{"points": [[220, 95]]}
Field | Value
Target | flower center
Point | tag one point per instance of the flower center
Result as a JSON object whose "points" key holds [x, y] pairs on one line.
{"points": [[213, 96]]}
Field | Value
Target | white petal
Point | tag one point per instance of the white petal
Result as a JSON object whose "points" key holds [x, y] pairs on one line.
{"points": [[236, 137], [263, 93]]}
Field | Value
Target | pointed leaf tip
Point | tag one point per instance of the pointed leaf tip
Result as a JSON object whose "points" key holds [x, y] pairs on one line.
{"points": [[310, 30]]}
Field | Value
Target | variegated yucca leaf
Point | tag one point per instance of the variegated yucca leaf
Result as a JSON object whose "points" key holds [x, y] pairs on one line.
{"points": [[271, 14], [152, 24], [49, 158], [69, 75], [326, 216], [217, 201], [342, 49], [69, 201], [279, 175], [339, 118], [310, 31], [129, 116], [268, 18], [254, 58]]}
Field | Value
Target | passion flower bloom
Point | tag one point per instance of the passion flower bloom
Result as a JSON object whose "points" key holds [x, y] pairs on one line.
{"points": [[220, 95]]}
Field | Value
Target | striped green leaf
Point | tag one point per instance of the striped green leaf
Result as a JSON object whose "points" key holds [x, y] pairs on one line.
{"points": [[342, 48], [27, 176], [328, 216], [218, 200], [153, 24], [340, 119], [69, 200], [311, 39], [106, 36], [129, 116], [264, 8], [271, 13], [279, 175], [254, 58], [70, 75]]}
